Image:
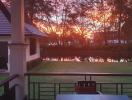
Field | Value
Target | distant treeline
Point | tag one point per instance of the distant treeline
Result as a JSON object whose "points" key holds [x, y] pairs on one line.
{"points": [[113, 52]]}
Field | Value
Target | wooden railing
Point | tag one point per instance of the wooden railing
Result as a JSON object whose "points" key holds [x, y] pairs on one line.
{"points": [[8, 93], [90, 75], [41, 85]]}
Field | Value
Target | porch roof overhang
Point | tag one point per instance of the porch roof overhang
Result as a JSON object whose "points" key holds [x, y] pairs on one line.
{"points": [[6, 29]]}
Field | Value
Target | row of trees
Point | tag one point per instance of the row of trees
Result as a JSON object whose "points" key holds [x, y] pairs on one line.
{"points": [[76, 22]]}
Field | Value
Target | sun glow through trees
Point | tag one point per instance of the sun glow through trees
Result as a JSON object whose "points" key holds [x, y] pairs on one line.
{"points": [[84, 17], [92, 22]]}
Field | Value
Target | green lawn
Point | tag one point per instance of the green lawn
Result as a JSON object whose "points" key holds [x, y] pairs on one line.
{"points": [[84, 67], [2, 77]]}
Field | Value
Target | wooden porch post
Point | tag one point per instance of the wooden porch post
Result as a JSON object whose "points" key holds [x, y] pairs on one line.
{"points": [[18, 47]]}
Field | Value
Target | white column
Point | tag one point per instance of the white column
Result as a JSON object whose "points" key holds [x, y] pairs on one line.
{"points": [[18, 47]]}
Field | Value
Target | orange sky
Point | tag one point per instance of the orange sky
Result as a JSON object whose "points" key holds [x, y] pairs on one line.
{"points": [[97, 17]]}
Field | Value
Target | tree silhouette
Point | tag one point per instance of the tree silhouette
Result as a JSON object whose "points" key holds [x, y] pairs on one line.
{"points": [[70, 17]]}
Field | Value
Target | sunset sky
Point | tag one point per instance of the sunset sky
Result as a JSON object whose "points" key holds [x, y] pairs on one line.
{"points": [[93, 22], [98, 17]]}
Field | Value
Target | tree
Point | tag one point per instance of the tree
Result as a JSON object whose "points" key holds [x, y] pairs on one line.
{"points": [[122, 9], [36, 9]]}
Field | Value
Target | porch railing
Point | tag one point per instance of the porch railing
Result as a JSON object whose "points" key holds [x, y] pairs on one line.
{"points": [[7, 93], [45, 86]]}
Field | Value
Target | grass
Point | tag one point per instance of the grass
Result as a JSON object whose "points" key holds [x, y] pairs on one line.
{"points": [[2, 77], [83, 67]]}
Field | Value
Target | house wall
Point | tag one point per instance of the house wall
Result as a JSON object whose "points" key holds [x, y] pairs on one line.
{"points": [[34, 56], [28, 56]]}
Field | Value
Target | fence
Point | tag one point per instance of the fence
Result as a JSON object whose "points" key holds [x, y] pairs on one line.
{"points": [[43, 87], [8, 93]]}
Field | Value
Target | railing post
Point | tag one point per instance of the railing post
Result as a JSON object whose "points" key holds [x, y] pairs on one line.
{"points": [[116, 88], [100, 87], [39, 91], [121, 88], [34, 96], [59, 88], [90, 77], [54, 91], [85, 77], [28, 87], [6, 87]]}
